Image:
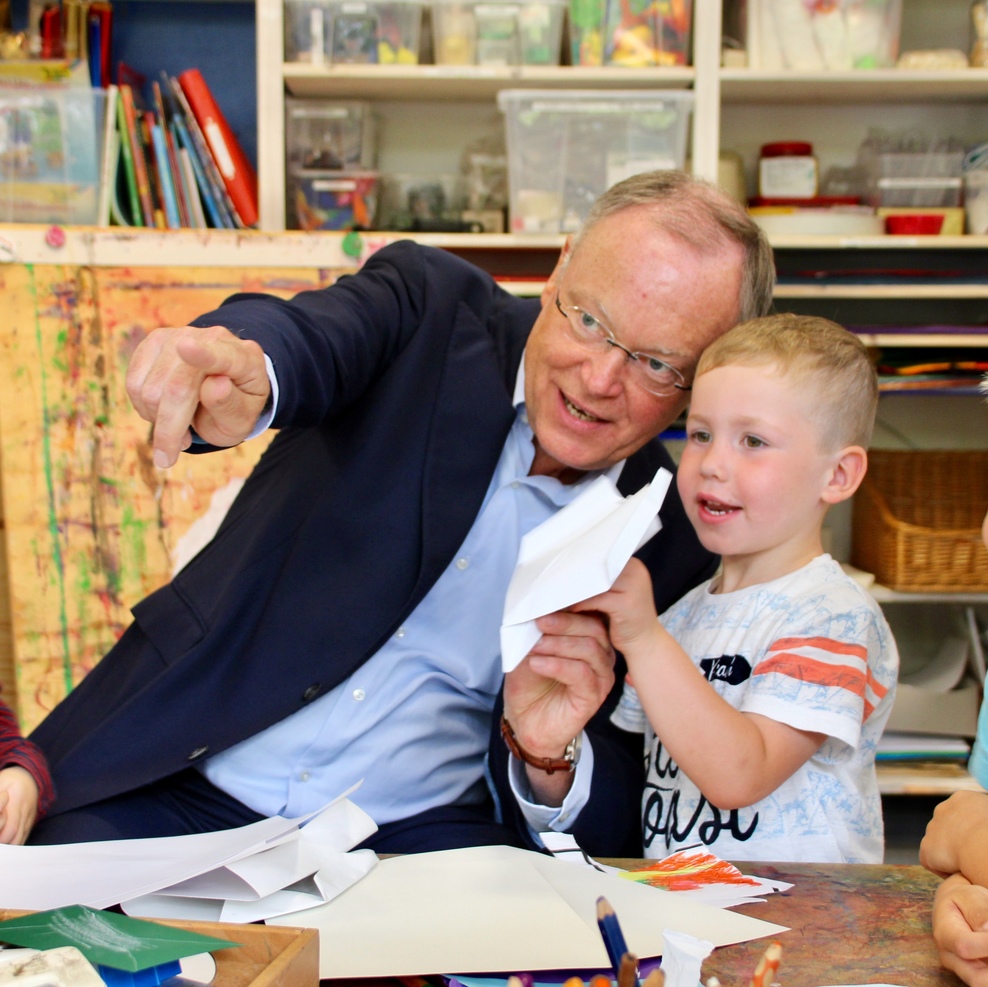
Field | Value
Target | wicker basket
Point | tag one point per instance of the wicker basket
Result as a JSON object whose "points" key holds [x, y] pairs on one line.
{"points": [[917, 520]]}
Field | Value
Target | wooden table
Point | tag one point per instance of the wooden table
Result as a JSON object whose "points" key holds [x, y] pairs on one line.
{"points": [[849, 924]]}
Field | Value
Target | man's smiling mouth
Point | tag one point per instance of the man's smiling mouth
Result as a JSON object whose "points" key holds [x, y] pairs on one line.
{"points": [[577, 412]]}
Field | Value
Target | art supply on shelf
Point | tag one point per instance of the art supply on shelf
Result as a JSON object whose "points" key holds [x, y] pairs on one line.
{"points": [[788, 170]]}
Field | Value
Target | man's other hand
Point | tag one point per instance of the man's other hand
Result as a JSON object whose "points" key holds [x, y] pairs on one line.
{"points": [[552, 695], [206, 379]]}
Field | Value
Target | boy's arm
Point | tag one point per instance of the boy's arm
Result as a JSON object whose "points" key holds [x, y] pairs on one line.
{"points": [[734, 758]]}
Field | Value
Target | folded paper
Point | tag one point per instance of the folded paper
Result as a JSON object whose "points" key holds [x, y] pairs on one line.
{"points": [[578, 553]]}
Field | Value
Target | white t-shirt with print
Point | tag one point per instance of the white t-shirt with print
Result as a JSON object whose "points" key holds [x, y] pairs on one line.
{"points": [[811, 650]]}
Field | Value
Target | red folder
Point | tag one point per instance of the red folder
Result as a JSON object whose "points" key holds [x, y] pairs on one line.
{"points": [[238, 175]]}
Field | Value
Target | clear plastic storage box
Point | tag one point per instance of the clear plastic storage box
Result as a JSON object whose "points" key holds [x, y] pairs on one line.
{"points": [[368, 32], [498, 32], [565, 148], [330, 134], [50, 154], [930, 179]]}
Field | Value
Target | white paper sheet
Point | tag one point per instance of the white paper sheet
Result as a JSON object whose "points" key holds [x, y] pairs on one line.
{"points": [[312, 867], [576, 554], [475, 910], [102, 874]]}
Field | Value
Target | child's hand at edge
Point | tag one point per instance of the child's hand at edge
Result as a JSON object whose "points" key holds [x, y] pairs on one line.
{"points": [[629, 607], [18, 804], [960, 929]]}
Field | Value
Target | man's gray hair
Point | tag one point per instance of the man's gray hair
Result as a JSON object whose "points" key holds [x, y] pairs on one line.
{"points": [[704, 216]]}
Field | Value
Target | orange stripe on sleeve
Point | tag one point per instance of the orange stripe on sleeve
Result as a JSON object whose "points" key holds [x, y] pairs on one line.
{"points": [[816, 672], [823, 643]]}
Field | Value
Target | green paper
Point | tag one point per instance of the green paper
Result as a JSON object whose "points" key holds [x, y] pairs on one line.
{"points": [[107, 938]]}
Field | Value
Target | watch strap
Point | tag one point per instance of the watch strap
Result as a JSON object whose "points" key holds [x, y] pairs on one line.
{"points": [[549, 765]]}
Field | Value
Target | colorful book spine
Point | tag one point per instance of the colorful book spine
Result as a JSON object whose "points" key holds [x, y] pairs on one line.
{"points": [[133, 136], [127, 156], [205, 188], [109, 157], [200, 149], [145, 121], [197, 217], [235, 169], [173, 166], [172, 217]]}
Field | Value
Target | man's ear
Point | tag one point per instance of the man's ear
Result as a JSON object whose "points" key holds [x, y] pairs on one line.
{"points": [[847, 473], [548, 293]]}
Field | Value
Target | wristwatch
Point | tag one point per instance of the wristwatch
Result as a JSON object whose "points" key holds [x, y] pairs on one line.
{"points": [[550, 765]]}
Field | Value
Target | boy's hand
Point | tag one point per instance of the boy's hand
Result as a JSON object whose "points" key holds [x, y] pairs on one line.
{"points": [[629, 607], [960, 929], [18, 804]]}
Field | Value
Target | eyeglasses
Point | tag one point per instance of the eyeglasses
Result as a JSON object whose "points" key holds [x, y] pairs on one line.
{"points": [[653, 374]]}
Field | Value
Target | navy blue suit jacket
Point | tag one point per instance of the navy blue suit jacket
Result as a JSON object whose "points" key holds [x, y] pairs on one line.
{"points": [[396, 388]]}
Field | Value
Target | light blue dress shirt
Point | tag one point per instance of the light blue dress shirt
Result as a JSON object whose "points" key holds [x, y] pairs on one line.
{"points": [[413, 723]]}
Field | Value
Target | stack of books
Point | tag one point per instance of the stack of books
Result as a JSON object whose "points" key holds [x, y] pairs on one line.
{"points": [[176, 163]]}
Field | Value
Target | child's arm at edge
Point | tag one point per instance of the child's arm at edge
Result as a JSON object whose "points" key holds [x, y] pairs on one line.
{"points": [[24, 779], [734, 758]]}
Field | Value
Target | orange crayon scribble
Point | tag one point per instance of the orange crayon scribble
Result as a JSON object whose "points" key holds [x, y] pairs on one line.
{"points": [[688, 870]]}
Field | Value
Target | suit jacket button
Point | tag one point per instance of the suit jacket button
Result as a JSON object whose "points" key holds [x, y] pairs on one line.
{"points": [[311, 692], [197, 753]]}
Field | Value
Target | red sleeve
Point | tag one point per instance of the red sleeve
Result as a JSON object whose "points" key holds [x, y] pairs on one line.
{"points": [[15, 750]]}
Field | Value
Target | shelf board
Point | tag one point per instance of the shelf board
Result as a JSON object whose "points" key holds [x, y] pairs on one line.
{"points": [[931, 289], [883, 242], [467, 82], [862, 86], [924, 778], [883, 594]]}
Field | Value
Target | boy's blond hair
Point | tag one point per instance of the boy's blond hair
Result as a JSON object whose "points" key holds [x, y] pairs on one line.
{"points": [[815, 352]]}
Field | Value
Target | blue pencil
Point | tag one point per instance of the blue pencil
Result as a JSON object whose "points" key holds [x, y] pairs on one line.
{"points": [[610, 931]]}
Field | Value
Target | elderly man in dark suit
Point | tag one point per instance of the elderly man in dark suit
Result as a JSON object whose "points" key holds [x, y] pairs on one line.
{"points": [[343, 622]]}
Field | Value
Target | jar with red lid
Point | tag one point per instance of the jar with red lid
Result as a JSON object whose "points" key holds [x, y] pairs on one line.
{"points": [[787, 170]]}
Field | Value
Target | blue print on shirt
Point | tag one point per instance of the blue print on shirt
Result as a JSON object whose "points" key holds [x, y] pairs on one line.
{"points": [[660, 817]]}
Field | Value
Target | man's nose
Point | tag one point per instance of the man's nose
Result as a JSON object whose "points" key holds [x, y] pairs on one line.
{"points": [[605, 370]]}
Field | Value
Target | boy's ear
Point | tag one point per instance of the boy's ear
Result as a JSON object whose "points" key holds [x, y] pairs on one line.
{"points": [[848, 471]]}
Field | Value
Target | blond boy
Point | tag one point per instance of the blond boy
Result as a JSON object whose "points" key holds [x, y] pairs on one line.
{"points": [[763, 692]]}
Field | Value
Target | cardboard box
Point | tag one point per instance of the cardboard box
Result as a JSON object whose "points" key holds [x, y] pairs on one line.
{"points": [[953, 713]]}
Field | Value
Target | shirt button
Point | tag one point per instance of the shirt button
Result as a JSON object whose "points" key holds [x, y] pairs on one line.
{"points": [[304, 776], [311, 692], [515, 484], [462, 563], [400, 633], [359, 694]]}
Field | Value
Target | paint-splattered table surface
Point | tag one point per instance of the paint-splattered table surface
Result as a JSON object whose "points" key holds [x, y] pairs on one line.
{"points": [[848, 924]]}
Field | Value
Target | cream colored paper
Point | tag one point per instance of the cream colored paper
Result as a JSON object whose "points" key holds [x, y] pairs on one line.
{"points": [[490, 909]]}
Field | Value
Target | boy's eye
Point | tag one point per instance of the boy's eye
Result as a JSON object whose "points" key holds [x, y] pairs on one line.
{"points": [[700, 435], [753, 442]]}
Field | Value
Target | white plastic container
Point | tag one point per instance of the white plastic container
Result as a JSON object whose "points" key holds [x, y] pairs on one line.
{"points": [[567, 147], [498, 32], [362, 32]]}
